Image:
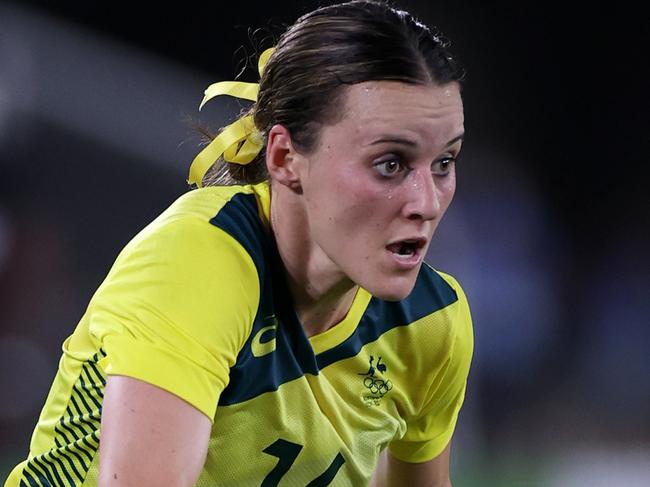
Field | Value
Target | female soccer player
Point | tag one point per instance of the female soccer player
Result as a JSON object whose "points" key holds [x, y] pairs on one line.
{"points": [[282, 329]]}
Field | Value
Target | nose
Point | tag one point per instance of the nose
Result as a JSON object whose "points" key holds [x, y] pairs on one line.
{"points": [[423, 200]]}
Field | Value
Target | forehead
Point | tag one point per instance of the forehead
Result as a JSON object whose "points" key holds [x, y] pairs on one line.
{"points": [[431, 113]]}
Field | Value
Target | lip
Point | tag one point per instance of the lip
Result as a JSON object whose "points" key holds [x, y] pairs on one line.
{"points": [[408, 262], [421, 240]]}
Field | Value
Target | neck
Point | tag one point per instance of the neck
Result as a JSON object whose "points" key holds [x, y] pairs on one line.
{"points": [[322, 293]]}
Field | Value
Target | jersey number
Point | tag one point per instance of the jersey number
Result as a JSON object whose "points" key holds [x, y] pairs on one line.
{"points": [[287, 452]]}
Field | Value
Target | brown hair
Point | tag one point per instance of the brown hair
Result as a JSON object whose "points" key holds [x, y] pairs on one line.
{"points": [[325, 50]]}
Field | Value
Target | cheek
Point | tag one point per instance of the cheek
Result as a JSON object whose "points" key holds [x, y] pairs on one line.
{"points": [[365, 207], [448, 189], [347, 206], [347, 194]]}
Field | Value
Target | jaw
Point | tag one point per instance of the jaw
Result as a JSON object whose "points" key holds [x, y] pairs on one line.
{"points": [[391, 286], [395, 293]]}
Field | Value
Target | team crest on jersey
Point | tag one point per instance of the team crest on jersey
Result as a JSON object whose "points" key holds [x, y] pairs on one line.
{"points": [[375, 382]]}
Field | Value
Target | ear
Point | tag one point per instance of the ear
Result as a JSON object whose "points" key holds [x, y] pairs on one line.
{"points": [[282, 160]]}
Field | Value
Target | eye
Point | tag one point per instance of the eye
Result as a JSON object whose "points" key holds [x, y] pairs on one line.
{"points": [[389, 167], [443, 166]]}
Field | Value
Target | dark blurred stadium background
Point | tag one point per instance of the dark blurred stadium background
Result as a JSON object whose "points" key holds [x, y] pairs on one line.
{"points": [[548, 233]]}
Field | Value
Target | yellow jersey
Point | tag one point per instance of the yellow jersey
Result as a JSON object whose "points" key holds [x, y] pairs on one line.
{"points": [[197, 304]]}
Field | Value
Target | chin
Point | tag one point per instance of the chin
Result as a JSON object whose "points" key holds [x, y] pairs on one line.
{"points": [[396, 290]]}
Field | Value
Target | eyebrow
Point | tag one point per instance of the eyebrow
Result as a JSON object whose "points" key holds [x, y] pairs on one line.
{"points": [[455, 139], [411, 143]]}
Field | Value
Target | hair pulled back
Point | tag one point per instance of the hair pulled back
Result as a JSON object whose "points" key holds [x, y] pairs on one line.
{"points": [[323, 51]]}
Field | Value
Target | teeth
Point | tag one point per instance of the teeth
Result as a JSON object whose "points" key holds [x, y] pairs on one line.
{"points": [[405, 249]]}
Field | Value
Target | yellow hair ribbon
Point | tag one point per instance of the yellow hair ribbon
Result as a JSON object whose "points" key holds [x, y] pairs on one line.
{"points": [[229, 141]]}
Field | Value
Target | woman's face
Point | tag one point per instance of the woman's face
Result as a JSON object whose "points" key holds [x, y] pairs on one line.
{"points": [[381, 179]]}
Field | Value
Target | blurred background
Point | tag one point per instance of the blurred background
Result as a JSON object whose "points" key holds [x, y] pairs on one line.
{"points": [[548, 233]]}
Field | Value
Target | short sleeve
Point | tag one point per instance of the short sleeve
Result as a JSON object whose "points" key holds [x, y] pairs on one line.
{"points": [[175, 309], [429, 432]]}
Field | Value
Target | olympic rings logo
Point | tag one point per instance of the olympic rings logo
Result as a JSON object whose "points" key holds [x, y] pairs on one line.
{"points": [[378, 386]]}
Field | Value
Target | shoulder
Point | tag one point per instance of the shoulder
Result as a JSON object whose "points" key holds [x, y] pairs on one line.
{"points": [[461, 305], [458, 321], [205, 206], [434, 292], [439, 306], [208, 202], [182, 275], [203, 226], [188, 250], [459, 312], [432, 283], [444, 281]]}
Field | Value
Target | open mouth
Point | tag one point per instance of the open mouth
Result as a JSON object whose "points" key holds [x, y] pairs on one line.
{"points": [[407, 248]]}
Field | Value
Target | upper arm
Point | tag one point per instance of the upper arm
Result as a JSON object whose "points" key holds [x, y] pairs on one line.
{"points": [[149, 436], [175, 310], [170, 319], [394, 472]]}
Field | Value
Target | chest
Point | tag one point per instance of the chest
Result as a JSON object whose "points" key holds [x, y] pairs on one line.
{"points": [[309, 413]]}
